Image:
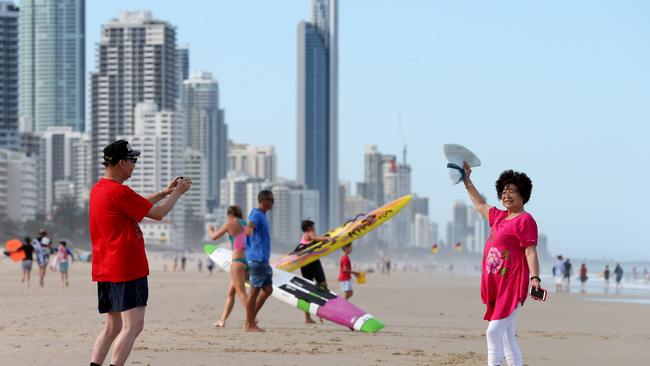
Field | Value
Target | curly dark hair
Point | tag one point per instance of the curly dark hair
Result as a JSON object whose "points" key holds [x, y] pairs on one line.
{"points": [[520, 180]]}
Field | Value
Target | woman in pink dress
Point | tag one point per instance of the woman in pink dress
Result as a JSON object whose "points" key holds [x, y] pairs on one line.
{"points": [[510, 263]]}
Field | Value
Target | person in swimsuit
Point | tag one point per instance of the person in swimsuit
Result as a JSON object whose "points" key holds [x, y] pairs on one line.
{"points": [[235, 227], [314, 270]]}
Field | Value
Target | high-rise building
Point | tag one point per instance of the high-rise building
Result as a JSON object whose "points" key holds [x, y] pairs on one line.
{"points": [[9, 137], [194, 167], [82, 175], [293, 203], [317, 108], [33, 145], [18, 186], [257, 161], [425, 232], [136, 62], [373, 175], [158, 135], [182, 64], [58, 159], [397, 183], [206, 130], [52, 71]]}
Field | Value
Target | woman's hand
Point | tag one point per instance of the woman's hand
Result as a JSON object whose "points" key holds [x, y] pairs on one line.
{"points": [[535, 283], [212, 232], [468, 172]]}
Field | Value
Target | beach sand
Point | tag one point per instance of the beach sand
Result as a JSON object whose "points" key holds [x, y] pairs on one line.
{"points": [[431, 319]]}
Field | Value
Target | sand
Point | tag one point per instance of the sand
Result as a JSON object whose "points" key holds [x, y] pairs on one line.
{"points": [[431, 319]]}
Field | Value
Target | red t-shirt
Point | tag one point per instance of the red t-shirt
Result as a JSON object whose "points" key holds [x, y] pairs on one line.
{"points": [[117, 241], [505, 281], [345, 263]]}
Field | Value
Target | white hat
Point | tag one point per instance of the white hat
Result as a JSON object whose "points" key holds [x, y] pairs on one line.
{"points": [[456, 155]]}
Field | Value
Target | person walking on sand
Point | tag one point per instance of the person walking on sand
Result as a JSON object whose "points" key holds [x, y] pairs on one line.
{"points": [[119, 260], [583, 277], [558, 273], [28, 261], [235, 227], [568, 272], [618, 273], [510, 262], [606, 275], [314, 270], [258, 253], [63, 258], [346, 272]]}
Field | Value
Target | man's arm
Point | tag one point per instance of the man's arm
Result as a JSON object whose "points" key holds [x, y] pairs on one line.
{"points": [[158, 212]]}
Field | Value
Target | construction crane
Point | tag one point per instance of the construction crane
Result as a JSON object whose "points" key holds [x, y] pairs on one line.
{"points": [[401, 128]]}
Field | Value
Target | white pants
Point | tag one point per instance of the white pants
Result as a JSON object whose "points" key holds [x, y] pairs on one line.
{"points": [[501, 341]]}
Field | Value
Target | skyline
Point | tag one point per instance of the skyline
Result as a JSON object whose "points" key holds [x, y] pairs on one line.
{"points": [[468, 68]]}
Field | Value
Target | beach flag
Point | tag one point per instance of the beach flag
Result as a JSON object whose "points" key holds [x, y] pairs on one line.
{"points": [[458, 246], [434, 248]]}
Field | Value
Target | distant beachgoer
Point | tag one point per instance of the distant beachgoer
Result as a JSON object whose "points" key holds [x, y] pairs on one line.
{"points": [[175, 266], [634, 274], [606, 275], [42, 251], [568, 272], [388, 264], [314, 270], [258, 253], [646, 275], [346, 272], [235, 227], [63, 258], [183, 262], [200, 265], [558, 273], [210, 266], [510, 262], [618, 273], [119, 260], [583, 277]]}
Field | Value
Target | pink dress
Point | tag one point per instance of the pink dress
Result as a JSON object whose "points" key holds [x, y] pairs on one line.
{"points": [[504, 283]]}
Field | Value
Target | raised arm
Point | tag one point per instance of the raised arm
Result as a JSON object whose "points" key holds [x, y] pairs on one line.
{"points": [[216, 234], [158, 196], [479, 203], [158, 212]]}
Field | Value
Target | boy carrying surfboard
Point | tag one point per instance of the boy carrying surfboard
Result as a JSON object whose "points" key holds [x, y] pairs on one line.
{"points": [[314, 270]]}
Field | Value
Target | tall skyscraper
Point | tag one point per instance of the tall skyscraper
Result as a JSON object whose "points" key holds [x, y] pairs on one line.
{"points": [[373, 175], [58, 159], [136, 62], [18, 186], [206, 130], [52, 64], [159, 136], [182, 64], [9, 137], [317, 108]]}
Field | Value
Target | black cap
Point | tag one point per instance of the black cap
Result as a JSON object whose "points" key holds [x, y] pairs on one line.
{"points": [[119, 150]]}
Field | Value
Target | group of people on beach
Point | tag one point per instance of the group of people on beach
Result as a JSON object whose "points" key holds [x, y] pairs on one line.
{"points": [[120, 266], [510, 266], [46, 254], [563, 270]]}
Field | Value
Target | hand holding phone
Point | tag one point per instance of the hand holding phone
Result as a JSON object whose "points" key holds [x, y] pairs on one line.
{"points": [[538, 293]]}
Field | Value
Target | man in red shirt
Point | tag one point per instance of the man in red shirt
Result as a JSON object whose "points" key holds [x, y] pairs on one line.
{"points": [[119, 262], [346, 272]]}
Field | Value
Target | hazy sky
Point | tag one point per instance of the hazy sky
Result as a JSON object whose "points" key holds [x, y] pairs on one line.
{"points": [[558, 89]]}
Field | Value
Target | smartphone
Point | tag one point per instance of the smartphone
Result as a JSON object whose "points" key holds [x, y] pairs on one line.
{"points": [[538, 293]]}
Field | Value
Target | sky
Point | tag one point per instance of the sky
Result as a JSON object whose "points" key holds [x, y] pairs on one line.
{"points": [[557, 89]]}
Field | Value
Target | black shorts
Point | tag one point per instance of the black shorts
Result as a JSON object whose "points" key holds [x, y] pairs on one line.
{"points": [[314, 272], [122, 296]]}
